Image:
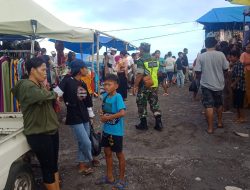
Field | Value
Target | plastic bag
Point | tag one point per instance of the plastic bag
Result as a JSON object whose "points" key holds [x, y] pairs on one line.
{"points": [[95, 139]]}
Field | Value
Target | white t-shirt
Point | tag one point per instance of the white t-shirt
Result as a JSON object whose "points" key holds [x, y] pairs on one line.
{"points": [[170, 64], [130, 63], [111, 59], [212, 64]]}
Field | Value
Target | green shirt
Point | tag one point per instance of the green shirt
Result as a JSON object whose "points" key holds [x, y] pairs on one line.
{"points": [[36, 105]]}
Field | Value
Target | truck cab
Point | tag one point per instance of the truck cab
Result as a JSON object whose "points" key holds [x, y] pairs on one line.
{"points": [[15, 167]]}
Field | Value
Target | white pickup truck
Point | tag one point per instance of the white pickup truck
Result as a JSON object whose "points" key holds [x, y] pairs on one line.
{"points": [[15, 168]]}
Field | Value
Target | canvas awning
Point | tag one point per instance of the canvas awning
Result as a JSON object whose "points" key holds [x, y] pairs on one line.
{"points": [[17, 15], [240, 2], [105, 41], [230, 18]]}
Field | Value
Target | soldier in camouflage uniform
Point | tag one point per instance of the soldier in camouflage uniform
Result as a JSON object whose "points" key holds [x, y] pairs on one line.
{"points": [[147, 65]]}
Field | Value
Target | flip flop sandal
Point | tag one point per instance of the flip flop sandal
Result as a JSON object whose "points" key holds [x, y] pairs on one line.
{"points": [[119, 185], [86, 171], [210, 133], [95, 163], [104, 181], [220, 126]]}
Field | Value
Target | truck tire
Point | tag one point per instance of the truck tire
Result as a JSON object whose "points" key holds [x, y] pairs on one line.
{"points": [[20, 177]]}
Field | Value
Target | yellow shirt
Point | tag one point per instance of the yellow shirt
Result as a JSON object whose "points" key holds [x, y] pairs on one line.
{"points": [[88, 81]]}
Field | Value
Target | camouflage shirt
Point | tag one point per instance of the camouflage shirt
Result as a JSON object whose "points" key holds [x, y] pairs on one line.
{"points": [[140, 64]]}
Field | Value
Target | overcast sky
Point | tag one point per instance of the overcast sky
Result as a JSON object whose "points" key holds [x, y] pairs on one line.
{"points": [[116, 14]]}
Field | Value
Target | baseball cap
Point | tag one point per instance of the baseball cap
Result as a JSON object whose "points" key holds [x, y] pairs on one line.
{"points": [[112, 49], [145, 47], [76, 66]]}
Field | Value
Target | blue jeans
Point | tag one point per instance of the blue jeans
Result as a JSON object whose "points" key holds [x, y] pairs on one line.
{"points": [[180, 78], [82, 133]]}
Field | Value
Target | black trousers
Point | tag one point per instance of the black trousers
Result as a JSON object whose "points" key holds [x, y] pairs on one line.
{"points": [[46, 149], [123, 85]]}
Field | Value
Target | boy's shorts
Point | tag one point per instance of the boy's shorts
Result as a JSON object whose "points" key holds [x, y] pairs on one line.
{"points": [[112, 141], [162, 77], [211, 98], [239, 96]]}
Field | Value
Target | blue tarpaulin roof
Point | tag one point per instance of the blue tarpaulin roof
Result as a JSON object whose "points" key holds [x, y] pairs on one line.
{"points": [[224, 18], [104, 41]]}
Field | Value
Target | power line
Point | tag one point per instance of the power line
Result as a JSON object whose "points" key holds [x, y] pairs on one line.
{"points": [[143, 27], [165, 35]]}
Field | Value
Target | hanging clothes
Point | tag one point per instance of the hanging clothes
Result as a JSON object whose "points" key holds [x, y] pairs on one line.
{"points": [[11, 70], [6, 86]]}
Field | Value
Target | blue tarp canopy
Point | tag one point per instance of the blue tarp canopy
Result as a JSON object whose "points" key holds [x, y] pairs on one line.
{"points": [[104, 41], [230, 18], [9, 37]]}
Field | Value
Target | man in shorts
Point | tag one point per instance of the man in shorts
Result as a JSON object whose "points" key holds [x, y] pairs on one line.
{"points": [[212, 65]]}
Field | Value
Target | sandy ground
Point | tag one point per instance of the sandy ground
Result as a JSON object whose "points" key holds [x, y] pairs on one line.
{"points": [[182, 156]]}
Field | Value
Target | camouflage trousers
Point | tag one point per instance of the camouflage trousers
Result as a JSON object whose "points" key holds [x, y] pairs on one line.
{"points": [[147, 95]]}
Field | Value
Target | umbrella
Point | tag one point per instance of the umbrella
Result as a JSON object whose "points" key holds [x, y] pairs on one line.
{"points": [[240, 2]]}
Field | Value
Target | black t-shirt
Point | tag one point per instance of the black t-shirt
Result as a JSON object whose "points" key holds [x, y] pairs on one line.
{"points": [[185, 60], [179, 64], [76, 105]]}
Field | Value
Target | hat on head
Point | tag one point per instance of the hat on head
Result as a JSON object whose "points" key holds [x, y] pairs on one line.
{"points": [[53, 52], [145, 47], [112, 49], [117, 58], [76, 66]]}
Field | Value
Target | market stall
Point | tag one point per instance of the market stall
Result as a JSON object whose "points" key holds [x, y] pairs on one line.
{"points": [[227, 23]]}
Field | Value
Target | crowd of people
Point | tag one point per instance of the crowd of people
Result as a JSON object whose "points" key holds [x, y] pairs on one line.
{"points": [[171, 70], [219, 71]]}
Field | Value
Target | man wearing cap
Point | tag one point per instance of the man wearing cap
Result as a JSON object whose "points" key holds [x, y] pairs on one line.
{"points": [[79, 111], [147, 70], [111, 60]]}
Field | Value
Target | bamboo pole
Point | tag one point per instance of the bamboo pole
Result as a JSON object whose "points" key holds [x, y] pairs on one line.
{"points": [[93, 57], [97, 61]]}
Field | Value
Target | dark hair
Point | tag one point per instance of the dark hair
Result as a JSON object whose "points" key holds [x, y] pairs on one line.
{"points": [[123, 52], [173, 57], [210, 42], [112, 77], [180, 53], [203, 50], [157, 51], [34, 62], [70, 56], [133, 55], [43, 50], [235, 53], [169, 54]]}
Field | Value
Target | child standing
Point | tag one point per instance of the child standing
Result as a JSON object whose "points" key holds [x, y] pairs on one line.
{"points": [[238, 84], [113, 112]]}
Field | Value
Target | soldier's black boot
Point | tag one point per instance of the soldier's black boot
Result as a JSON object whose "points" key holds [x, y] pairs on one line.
{"points": [[142, 125], [158, 123]]}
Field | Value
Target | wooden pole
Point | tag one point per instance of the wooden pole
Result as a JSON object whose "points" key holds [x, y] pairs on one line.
{"points": [[97, 61], [93, 57]]}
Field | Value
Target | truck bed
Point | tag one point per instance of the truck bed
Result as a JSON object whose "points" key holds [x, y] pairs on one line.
{"points": [[9, 124]]}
